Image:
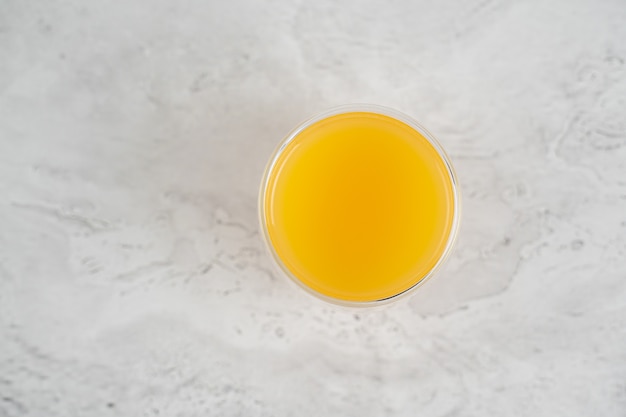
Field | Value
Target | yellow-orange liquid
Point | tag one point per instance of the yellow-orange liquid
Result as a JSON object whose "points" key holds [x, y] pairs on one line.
{"points": [[359, 206]]}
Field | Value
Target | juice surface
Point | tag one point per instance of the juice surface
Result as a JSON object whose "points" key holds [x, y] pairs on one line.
{"points": [[359, 206]]}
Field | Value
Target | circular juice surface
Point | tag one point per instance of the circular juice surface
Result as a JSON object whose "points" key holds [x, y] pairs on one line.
{"points": [[359, 206]]}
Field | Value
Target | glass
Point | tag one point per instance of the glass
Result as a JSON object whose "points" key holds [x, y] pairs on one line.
{"points": [[359, 205]]}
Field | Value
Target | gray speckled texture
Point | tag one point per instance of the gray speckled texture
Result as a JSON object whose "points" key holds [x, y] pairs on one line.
{"points": [[133, 281]]}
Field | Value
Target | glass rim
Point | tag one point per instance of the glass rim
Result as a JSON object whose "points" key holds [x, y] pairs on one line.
{"points": [[365, 108]]}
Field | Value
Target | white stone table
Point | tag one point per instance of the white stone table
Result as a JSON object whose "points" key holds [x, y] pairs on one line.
{"points": [[133, 281]]}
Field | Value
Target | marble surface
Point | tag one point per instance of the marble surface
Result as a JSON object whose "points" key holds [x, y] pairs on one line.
{"points": [[133, 280]]}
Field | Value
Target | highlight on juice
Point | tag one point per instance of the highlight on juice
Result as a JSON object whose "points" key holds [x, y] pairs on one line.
{"points": [[359, 205]]}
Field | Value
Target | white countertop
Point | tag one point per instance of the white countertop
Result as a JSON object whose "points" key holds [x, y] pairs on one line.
{"points": [[133, 281]]}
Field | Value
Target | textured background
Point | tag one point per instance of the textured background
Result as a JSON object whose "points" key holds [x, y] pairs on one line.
{"points": [[133, 281]]}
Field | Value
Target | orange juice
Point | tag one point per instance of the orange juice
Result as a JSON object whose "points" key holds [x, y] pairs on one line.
{"points": [[359, 206]]}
